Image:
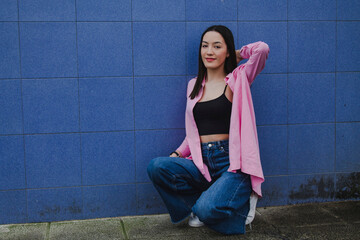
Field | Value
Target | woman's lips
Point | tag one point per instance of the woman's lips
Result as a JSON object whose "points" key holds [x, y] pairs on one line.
{"points": [[210, 59]]}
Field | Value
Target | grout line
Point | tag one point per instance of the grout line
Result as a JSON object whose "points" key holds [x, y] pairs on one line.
{"points": [[287, 97], [305, 174], [134, 183], [123, 230], [92, 77], [325, 210], [237, 25], [185, 12], [47, 233], [169, 129], [22, 115], [186, 45], [177, 21], [79, 110], [134, 117], [336, 34], [287, 123], [187, 21], [336, 43], [182, 75], [335, 186], [70, 187]]}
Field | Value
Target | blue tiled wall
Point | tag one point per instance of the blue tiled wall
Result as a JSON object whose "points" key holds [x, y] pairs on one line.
{"points": [[91, 91]]}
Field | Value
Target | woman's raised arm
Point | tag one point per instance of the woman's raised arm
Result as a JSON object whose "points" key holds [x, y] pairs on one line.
{"points": [[257, 53]]}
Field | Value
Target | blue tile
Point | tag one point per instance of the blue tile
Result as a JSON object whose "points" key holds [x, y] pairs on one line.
{"points": [[13, 207], [98, 10], [348, 10], [262, 10], [149, 200], [210, 10], [105, 49], [269, 93], [158, 10], [312, 10], [348, 49], [160, 102], [275, 191], [311, 148], [194, 30], [347, 97], [347, 186], [109, 201], [47, 10], [48, 49], [311, 97], [311, 46], [53, 160], [8, 10], [347, 147], [12, 171], [274, 34], [108, 158], [10, 111], [50, 105], [311, 188], [59, 204], [106, 104], [152, 144], [9, 50], [273, 149], [160, 48]]}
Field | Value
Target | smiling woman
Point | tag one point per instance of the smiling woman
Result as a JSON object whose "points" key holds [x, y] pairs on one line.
{"points": [[214, 51], [215, 175]]}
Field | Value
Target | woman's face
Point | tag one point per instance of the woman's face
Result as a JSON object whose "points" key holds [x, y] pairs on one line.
{"points": [[213, 50]]}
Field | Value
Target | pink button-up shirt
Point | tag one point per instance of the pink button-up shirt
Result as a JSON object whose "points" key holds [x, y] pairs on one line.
{"points": [[243, 141]]}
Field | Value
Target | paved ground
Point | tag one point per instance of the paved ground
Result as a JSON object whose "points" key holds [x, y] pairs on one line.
{"points": [[339, 220]]}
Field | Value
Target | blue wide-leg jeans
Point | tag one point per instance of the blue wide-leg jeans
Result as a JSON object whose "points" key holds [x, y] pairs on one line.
{"points": [[222, 204]]}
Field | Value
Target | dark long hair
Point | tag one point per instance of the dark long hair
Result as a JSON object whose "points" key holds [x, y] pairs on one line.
{"points": [[230, 62]]}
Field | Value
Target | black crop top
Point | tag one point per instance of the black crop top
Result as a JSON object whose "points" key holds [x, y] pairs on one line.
{"points": [[213, 116]]}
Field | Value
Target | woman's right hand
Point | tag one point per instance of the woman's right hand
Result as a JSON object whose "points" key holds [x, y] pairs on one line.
{"points": [[174, 154]]}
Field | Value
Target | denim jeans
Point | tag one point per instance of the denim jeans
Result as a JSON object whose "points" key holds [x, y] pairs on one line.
{"points": [[222, 204]]}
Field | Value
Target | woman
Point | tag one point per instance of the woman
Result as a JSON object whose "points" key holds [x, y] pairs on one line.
{"points": [[212, 174]]}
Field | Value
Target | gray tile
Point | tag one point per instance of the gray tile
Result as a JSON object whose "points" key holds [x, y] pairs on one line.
{"points": [[349, 212], [149, 227], [23, 231], [302, 215], [87, 229], [319, 232]]}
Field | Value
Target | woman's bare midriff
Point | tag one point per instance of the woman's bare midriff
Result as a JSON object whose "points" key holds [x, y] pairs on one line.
{"points": [[213, 137]]}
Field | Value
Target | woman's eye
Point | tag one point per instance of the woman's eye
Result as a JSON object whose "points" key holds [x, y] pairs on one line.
{"points": [[204, 46], [217, 47]]}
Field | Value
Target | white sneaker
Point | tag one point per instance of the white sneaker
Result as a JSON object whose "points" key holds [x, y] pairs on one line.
{"points": [[251, 215], [194, 221]]}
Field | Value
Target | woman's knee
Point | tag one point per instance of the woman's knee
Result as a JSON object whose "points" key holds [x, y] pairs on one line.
{"points": [[204, 209], [153, 167], [157, 166], [210, 213]]}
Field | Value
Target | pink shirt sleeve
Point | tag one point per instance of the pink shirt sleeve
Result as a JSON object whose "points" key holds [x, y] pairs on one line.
{"points": [[184, 148], [257, 53]]}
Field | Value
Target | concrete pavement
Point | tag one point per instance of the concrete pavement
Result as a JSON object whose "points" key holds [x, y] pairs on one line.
{"points": [[334, 220]]}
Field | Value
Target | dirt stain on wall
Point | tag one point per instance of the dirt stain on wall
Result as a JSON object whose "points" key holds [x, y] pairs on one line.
{"points": [[348, 186], [316, 187]]}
